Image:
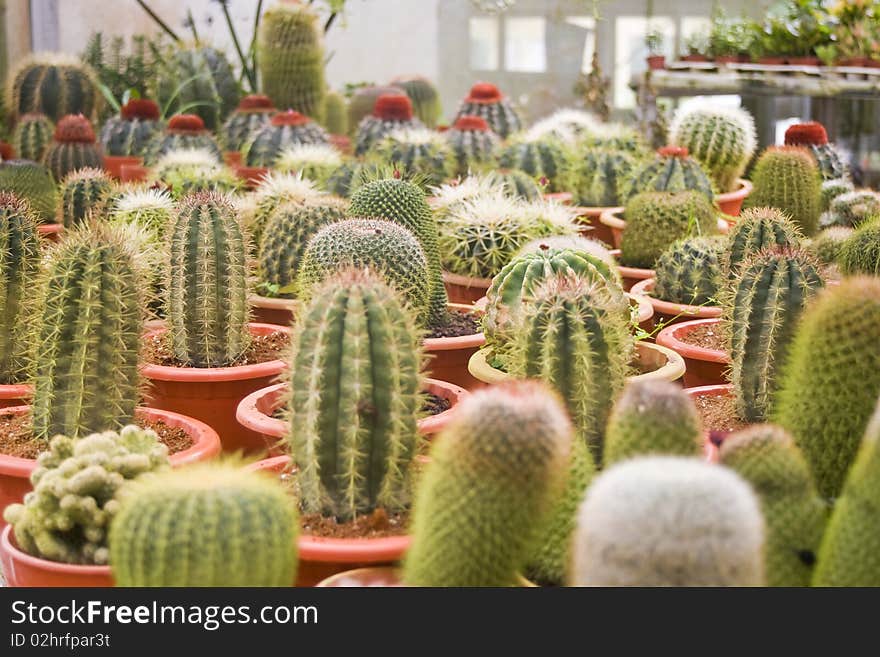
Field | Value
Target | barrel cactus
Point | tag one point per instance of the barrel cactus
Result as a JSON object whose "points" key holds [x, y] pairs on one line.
{"points": [[424, 96], [812, 135], [317, 162], [860, 253], [31, 182], [32, 135], [184, 131], [151, 209], [472, 141], [568, 125], [274, 190], [787, 178], [486, 101], [52, 84], [283, 130], [516, 184], [831, 189], [82, 192], [689, 271], [826, 246], [363, 102], [541, 159], [73, 147], [253, 112], [391, 112], [599, 174], [616, 137], [418, 152], [757, 229], [130, 132], [671, 170], [347, 177], [852, 208]]}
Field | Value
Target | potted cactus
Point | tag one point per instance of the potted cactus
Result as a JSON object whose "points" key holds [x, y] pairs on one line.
{"points": [[472, 142], [73, 146], [787, 178], [486, 101], [124, 138], [253, 112], [283, 130], [391, 112], [31, 136], [597, 180], [184, 131], [32, 182], [543, 158], [418, 152], [54, 85]]}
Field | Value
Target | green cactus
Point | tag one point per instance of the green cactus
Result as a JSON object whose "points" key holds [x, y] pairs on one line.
{"points": [[131, 132], [671, 170], [183, 132], [826, 246], [363, 102], [833, 188], [723, 140], [517, 184], [831, 381], [656, 220], [192, 170], [668, 521], [78, 485], [599, 174], [31, 182], [486, 101], [689, 271], [205, 525], [616, 137], [390, 113], [786, 178], [352, 427], [493, 479], [860, 253], [284, 130], [757, 229], [82, 192], [573, 242], [472, 142], [830, 161], [424, 96], [317, 162], [794, 514], [542, 159], [335, 113], [150, 209], [347, 177], [32, 135], [568, 125], [73, 147], [274, 190], [852, 208], [252, 113], [652, 417], [290, 56], [52, 84], [418, 152]]}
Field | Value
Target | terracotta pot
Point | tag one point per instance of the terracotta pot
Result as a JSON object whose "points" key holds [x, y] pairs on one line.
{"points": [[382, 576], [113, 164], [23, 570], [803, 61], [703, 366], [713, 435], [133, 172], [271, 310], [599, 230], [15, 394], [212, 394], [50, 232], [232, 159], [694, 57], [449, 356], [631, 275], [730, 203], [656, 62], [463, 289], [673, 313], [772, 61], [252, 176], [727, 59], [645, 316], [565, 198]]}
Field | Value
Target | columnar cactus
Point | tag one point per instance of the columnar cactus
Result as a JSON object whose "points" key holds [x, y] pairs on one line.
{"points": [[73, 147], [87, 335], [832, 379], [826, 246], [81, 192], [485, 100], [689, 271], [130, 132], [284, 130], [472, 141], [184, 131], [812, 135], [671, 170], [418, 152], [391, 112], [253, 112], [192, 170], [794, 514], [852, 208], [240, 529], [599, 174], [335, 113], [316, 162], [656, 220], [755, 230], [32, 136], [78, 485], [424, 96], [723, 140], [787, 178], [31, 182], [483, 501], [542, 159], [19, 264], [352, 425], [516, 184], [669, 521], [363, 102], [290, 56], [860, 253], [652, 417], [52, 84]]}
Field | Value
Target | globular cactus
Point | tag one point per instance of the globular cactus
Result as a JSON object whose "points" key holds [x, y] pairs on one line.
{"points": [[19, 264], [568, 125], [354, 449], [363, 102], [239, 529], [671, 170], [722, 139], [335, 113], [812, 135], [32, 135], [274, 190], [852, 208], [391, 112], [787, 178], [131, 132], [833, 188], [516, 184], [860, 253], [541, 159], [598, 176], [472, 141], [616, 137], [418, 152], [794, 514], [385, 247], [850, 551], [424, 96], [669, 521], [656, 220], [757, 229], [826, 246], [316, 162], [253, 112], [689, 272], [31, 182], [482, 503], [207, 282], [73, 147], [290, 56], [52, 84], [284, 130], [87, 334], [285, 236], [184, 131], [82, 192], [450, 196], [150, 209], [191, 170], [831, 381], [652, 417], [347, 177], [486, 101], [573, 242]]}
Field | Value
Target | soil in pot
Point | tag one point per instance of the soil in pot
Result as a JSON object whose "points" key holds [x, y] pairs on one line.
{"points": [[707, 336], [456, 325], [378, 524], [718, 413], [262, 349]]}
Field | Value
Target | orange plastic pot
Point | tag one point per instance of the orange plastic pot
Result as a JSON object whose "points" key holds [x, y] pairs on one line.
{"points": [[270, 310], [464, 289], [23, 570], [113, 164], [449, 356], [703, 367], [133, 172], [383, 576], [599, 231], [252, 176], [50, 232], [673, 313], [15, 394], [212, 394], [730, 203]]}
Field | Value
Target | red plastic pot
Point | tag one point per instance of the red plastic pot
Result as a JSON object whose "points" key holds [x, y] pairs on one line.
{"points": [[645, 317], [656, 62], [113, 164], [727, 59], [464, 289], [703, 367], [694, 58], [342, 143], [252, 176], [212, 394], [271, 310], [23, 570], [673, 313], [772, 61], [449, 356], [730, 203], [14, 394], [133, 172], [50, 232], [803, 61]]}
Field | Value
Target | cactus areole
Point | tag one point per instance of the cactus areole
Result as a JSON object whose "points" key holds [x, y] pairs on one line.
{"points": [[140, 108], [393, 107], [74, 128], [811, 133], [484, 92], [186, 124]]}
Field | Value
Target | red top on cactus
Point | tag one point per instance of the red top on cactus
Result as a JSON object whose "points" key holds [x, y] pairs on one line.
{"points": [[290, 117], [74, 128], [186, 123], [673, 151], [393, 107], [140, 108], [811, 133], [484, 92], [255, 102], [6, 151], [468, 122]]}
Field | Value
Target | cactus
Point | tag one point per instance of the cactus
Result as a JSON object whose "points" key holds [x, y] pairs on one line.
{"points": [[19, 264], [568, 125], [543, 159], [290, 56], [516, 184], [723, 140], [472, 141], [656, 220], [852, 208], [73, 147], [78, 485], [616, 137], [689, 272], [284, 130], [391, 112], [831, 189], [453, 195], [150, 209], [812, 135], [347, 177], [786, 178], [184, 131], [82, 192], [239, 529], [130, 132], [755, 230], [285, 236], [207, 282], [418, 152], [32, 136], [826, 246], [669, 521], [484, 499], [573, 242], [363, 102], [794, 514], [31, 182], [316, 162], [598, 176], [486, 101], [192, 170], [352, 426], [424, 96], [831, 381], [274, 190], [253, 112], [671, 170], [860, 253], [850, 551], [652, 417], [52, 84], [335, 114], [87, 334]]}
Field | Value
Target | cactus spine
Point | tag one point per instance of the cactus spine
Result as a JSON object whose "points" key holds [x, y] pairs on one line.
{"points": [[184, 132], [860, 253], [81, 192], [32, 136], [73, 147], [672, 170], [315, 162], [31, 182], [599, 175], [786, 177], [54, 85], [540, 159], [473, 143], [486, 101], [391, 112], [688, 272], [418, 152], [755, 230], [130, 132], [252, 113], [284, 130]]}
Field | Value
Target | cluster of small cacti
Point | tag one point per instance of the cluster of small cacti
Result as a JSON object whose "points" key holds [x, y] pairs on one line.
{"points": [[671, 170], [184, 131], [472, 141], [78, 485], [73, 147], [316, 162], [252, 113], [689, 271], [32, 136], [391, 112], [599, 174], [31, 182], [787, 178], [757, 229], [52, 84], [812, 135], [860, 252], [541, 159], [82, 192], [852, 208], [131, 132], [283, 130], [486, 101], [418, 152]]}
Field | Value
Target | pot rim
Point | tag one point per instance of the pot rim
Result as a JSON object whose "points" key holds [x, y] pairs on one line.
{"points": [[740, 193], [7, 545], [272, 303], [643, 289], [15, 390], [466, 281], [50, 228], [458, 342], [668, 338]]}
